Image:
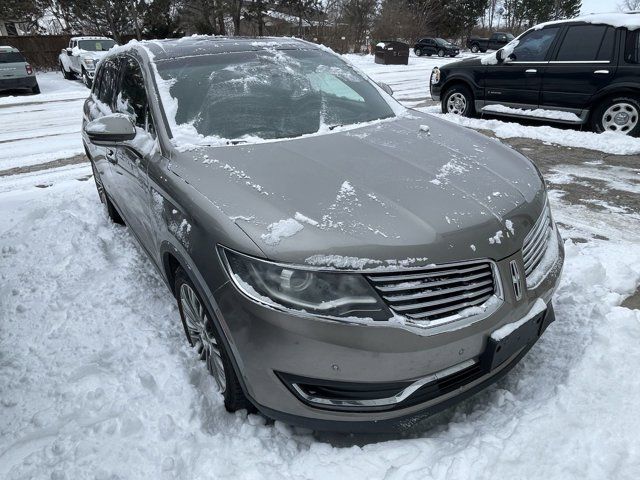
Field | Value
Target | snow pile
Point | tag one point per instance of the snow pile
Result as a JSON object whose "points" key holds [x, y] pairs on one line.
{"points": [[281, 229], [607, 142], [536, 112]]}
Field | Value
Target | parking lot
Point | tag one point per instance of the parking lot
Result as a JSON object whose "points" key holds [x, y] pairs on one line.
{"points": [[140, 403]]}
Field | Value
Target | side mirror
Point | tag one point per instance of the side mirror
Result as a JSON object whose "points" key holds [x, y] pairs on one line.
{"points": [[110, 129], [385, 87], [69, 51]]}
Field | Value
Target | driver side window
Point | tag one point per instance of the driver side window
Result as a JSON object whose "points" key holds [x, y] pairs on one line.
{"points": [[131, 98], [534, 46]]}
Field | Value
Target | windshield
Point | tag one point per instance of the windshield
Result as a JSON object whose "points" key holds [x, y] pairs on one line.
{"points": [[96, 45], [11, 57], [510, 37], [268, 93]]}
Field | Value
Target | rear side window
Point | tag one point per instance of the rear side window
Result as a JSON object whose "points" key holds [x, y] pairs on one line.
{"points": [[632, 47], [11, 57], [587, 43], [534, 46]]}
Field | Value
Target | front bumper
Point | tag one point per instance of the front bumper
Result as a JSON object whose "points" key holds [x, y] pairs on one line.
{"points": [[435, 90], [21, 83], [274, 349]]}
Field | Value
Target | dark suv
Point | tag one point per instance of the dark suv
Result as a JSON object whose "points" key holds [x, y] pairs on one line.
{"points": [[435, 46], [580, 71]]}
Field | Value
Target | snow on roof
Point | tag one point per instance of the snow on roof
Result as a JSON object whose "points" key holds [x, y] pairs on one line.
{"points": [[630, 20], [293, 19]]}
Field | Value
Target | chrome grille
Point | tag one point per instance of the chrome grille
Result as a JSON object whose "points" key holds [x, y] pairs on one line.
{"points": [[436, 292], [535, 244]]}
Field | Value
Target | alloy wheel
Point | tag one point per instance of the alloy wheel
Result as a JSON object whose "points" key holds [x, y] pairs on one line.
{"points": [[456, 104], [620, 117], [200, 331], [441, 53]]}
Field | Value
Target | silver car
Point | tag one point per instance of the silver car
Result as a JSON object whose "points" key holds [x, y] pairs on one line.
{"points": [[339, 261], [15, 71]]}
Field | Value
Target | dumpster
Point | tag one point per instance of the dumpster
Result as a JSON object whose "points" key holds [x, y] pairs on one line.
{"points": [[390, 52]]}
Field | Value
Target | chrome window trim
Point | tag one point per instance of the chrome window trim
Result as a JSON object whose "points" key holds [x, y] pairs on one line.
{"points": [[555, 62], [381, 402]]}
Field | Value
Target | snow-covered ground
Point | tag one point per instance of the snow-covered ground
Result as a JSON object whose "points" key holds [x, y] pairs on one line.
{"points": [[40, 128], [97, 381]]}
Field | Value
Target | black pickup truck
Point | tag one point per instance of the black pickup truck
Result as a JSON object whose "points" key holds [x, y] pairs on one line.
{"points": [[496, 41]]}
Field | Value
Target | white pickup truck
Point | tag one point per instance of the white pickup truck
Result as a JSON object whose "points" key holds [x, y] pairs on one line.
{"points": [[80, 58]]}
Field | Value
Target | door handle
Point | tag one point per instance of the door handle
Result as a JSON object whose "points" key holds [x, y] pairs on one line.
{"points": [[601, 72], [111, 156], [531, 70]]}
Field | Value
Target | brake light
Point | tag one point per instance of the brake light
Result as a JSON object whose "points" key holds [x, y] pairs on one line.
{"points": [[29, 69]]}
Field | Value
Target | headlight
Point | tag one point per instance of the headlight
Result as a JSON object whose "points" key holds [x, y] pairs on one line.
{"points": [[435, 75], [89, 62], [328, 294]]}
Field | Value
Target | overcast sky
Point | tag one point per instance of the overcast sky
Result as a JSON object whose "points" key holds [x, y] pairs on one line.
{"points": [[599, 6]]}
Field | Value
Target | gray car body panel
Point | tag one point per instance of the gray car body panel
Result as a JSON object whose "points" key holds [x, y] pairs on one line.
{"points": [[421, 190]]}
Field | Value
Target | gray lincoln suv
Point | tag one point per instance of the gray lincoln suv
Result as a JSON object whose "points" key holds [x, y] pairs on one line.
{"points": [[340, 262]]}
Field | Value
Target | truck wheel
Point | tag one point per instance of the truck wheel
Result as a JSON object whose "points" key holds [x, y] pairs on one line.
{"points": [[67, 75], [475, 48], [86, 79], [617, 114], [458, 100]]}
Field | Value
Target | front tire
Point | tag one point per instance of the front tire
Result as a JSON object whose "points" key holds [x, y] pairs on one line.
{"points": [[203, 335], [458, 100], [67, 75], [441, 53], [418, 52], [475, 48], [112, 213], [86, 79], [617, 114]]}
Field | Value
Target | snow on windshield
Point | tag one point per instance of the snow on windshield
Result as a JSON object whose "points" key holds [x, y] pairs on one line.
{"points": [[270, 94]]}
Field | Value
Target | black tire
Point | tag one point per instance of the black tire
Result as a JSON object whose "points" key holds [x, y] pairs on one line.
{"points": [[461, 91], [67, 75], [112, 213], [603, 117], [86, 80], [234, 397], [441, 53], [418, 52], [475, 48], [36, 89]]}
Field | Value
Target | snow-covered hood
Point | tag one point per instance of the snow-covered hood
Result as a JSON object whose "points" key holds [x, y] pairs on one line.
{"points": [[410, 188], [94, 55]]}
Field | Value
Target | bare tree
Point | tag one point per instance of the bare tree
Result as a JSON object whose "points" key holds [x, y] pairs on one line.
{"points": [[629, 5]]}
